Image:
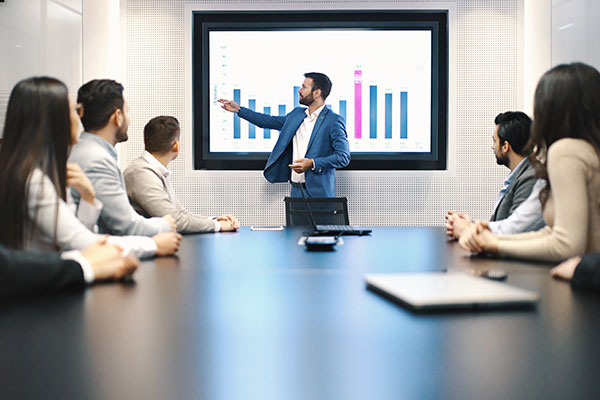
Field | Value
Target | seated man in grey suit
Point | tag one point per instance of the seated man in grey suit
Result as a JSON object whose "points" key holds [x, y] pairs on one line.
{"points": [[149, 186], [518, 208], [105, 118]]}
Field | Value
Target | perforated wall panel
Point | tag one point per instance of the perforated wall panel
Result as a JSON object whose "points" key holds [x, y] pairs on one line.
{"points": [[484, 68]]}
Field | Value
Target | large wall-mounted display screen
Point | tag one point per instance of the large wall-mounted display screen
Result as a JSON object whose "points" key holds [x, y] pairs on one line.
{"points": [[388, 83]]}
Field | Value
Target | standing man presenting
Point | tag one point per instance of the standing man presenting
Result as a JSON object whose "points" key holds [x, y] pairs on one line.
{"points": [[312, 142]]}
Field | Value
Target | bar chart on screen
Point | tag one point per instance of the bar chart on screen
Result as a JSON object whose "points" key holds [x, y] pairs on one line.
{"points": [[381, 85]]}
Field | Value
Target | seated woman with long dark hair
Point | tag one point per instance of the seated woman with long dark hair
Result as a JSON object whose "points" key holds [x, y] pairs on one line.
{"points": [[566, 134], [36, 208]]}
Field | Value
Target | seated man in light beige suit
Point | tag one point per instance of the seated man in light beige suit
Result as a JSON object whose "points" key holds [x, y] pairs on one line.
{"points": [[148, 185]]}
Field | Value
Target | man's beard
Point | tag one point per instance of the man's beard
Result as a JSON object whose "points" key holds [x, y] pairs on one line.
{"points": [[308, 100], [502, 160], [121, 134]]}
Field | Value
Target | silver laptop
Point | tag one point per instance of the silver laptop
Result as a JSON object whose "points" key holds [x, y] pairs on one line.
{"points": [[440, 290]]}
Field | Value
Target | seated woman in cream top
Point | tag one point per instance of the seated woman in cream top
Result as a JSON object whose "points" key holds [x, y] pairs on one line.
{"points": [[36, 209], [567, 124]]}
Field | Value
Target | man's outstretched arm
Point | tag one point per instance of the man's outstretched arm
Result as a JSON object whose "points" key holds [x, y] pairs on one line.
{"points": [[258, 119]]}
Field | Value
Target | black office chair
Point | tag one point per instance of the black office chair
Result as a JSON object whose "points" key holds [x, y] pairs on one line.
{"points": [[325, 210]]}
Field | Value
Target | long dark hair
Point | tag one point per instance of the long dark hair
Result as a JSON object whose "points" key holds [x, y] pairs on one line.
{"points": [[567, 105], [37, 134]]}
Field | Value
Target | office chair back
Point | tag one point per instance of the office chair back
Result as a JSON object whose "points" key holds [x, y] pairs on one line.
{"points": [[325, 210]]}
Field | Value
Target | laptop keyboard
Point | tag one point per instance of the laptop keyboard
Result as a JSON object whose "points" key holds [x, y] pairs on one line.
{"points": [[341, 228]]}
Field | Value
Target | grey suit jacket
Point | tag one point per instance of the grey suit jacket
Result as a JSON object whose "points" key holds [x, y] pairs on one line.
{"points": [[518, 191], [98, 160], [147, 191]]}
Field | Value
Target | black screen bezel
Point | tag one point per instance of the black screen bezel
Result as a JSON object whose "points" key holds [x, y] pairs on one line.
{"points": [[435, 21]]}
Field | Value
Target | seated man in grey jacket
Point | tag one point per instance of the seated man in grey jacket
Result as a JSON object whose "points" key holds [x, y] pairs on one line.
{"points": [[105, 118], [149, 186], [517, 208]]}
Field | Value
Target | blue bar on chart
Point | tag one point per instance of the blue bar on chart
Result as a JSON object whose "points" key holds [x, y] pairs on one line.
{"points": [[296, 96], [343, 109], [388, 115], [373, 111], [237, 95], [403, 115], [252, 127], [282, 110], [267, 131]]}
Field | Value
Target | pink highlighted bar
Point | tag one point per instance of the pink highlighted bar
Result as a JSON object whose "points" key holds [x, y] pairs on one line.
{"points": [[357, 103]]}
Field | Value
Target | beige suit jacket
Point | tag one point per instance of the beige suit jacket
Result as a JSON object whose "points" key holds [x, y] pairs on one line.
{"points": [[148, 193]]}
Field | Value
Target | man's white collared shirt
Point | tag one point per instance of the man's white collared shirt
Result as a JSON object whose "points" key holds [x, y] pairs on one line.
{"points": [[302, 138]]}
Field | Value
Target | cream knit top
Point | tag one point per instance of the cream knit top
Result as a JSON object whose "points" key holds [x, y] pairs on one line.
{"points": [[572, 211]]}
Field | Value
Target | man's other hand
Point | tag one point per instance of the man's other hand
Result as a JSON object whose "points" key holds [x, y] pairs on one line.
{"points": [[228, 223], [456, 223], [107, 262], [167, 243], [301, 165]]}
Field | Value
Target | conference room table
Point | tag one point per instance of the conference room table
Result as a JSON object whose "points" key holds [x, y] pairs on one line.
{"points": [[254, 315]]}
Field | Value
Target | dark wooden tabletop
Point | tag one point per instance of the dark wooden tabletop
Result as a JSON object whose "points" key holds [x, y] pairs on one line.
{"points": [[253, 315]]}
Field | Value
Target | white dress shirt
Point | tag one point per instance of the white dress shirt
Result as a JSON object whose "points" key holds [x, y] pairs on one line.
{"points": [[302, 138], [526, 218]]}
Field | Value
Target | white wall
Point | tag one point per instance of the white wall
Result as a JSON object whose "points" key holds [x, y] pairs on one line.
{"points": [[537, 47], [556, 32], [102, 38], [576, 31], [39, 37]]}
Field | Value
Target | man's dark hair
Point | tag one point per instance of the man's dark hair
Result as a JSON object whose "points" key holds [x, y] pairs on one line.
{"points": [[514, 127], [99, 98], [160, 133], [320, 81]]}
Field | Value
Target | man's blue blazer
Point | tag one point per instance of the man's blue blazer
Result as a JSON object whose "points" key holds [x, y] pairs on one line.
{"points": [[328, 147]]}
